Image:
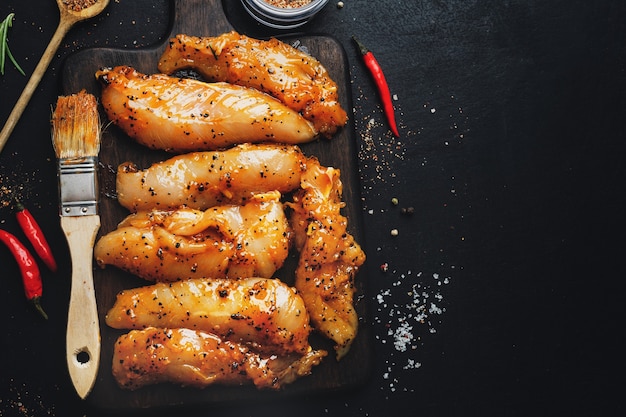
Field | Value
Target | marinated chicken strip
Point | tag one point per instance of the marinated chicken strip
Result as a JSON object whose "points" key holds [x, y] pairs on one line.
{"points": [[329, 256], [198, 359], [204, 179], [182, 115], [294, 77], [252, 240], [265, 314]]}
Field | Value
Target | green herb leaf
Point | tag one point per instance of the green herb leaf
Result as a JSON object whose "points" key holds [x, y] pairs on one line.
{"points": [[4, 45], [17, 66]]}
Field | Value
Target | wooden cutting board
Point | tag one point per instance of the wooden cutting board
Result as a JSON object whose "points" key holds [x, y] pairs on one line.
{"points": [[207, 18]]}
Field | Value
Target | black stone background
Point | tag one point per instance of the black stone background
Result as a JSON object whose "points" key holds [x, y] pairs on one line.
{"points": [[511, 155]]}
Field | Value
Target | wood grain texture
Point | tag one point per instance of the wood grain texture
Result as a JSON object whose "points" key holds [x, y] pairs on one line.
{"points": [[206, 18], [83, 329]]}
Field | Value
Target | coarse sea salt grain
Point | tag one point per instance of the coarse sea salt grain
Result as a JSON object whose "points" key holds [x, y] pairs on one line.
{"points": [[434, 309], [411, 364], [407, 321], [403, 336]]}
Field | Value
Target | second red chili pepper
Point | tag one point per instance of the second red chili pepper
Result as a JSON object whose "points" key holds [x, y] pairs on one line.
{"points": [[35, 235], [31, 277], [381, 83]]}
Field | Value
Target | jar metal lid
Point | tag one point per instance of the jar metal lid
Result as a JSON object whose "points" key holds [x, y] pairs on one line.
{"points": [[282, 17]]}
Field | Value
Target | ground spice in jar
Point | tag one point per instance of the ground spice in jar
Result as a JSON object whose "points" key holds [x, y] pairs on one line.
{"points": [[288, 4], [78, 5]]}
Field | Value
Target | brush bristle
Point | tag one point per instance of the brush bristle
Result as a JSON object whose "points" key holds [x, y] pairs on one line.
{"points": [[76, 126]]}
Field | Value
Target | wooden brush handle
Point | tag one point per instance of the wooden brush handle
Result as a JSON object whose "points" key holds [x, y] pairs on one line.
{"points": [[83, 329]]}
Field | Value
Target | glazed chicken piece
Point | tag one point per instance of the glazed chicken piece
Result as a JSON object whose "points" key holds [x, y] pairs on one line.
{"points": [[223, 241], [329, 256], [204, 179], [182, 115], [264, 314], [294, 77], [198, 359]]}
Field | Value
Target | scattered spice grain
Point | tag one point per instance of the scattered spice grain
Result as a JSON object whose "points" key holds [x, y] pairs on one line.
{"points": [[78, 5], [288, 4]]}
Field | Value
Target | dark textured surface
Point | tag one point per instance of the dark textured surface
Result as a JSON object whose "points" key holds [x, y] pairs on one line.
{"points": [[511, 154]]}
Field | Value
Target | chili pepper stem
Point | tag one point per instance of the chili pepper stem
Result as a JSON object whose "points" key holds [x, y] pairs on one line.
{"points": [[37, 303], [362, 48]]}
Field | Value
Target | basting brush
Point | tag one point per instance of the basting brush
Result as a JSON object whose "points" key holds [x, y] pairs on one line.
{"points": [[76, 141]]}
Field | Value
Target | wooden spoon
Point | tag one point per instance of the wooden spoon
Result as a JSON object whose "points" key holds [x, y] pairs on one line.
{"points": [[68, 19]]}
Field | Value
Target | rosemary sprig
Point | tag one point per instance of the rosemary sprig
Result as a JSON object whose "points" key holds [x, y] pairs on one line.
{"points": [[4, 45]]}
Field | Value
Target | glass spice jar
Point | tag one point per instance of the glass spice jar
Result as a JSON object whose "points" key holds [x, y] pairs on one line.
{"points": [[283, 14]]}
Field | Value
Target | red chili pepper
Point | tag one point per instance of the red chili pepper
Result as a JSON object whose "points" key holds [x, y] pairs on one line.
{"points": [[36, 237], [381, 83], [31, 276]]}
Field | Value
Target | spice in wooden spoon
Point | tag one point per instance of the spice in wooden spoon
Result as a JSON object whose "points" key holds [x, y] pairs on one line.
{"points": [[72, 11]]}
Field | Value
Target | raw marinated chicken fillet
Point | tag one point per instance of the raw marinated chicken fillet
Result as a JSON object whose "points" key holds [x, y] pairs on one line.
{"points": [[199, 359], [274, 67], [182, 115], [220, 242], [329, 256], [201, 180], [264, 314]]}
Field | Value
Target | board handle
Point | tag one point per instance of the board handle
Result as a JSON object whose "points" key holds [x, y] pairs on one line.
{"points": [[83, 328], [199, 18]]}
